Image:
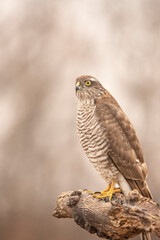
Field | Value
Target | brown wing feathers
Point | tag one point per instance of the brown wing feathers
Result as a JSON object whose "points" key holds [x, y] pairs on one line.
{"points": [[125, 150]]}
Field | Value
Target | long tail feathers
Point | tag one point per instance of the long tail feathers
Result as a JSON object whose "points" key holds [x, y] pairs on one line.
{"points": [[146, 236], [143, 188]]}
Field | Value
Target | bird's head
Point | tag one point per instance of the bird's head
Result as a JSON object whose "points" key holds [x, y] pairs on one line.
{"points": [[88, 88]]}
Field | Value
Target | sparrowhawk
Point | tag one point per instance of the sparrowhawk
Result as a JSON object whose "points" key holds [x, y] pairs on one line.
{"points": [[109, 140]]}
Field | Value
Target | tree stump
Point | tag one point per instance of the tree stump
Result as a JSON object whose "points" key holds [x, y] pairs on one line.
{"points": [[121, 218]]}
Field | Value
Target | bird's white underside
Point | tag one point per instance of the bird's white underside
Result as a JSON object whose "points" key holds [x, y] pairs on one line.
{"points": [[123, 184]]}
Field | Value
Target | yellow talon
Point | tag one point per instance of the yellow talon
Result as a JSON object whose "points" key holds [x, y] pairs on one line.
{"points": [[108, 192]]}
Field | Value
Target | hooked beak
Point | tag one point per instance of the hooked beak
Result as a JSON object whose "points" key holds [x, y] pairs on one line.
{"points": [[78, 86]]}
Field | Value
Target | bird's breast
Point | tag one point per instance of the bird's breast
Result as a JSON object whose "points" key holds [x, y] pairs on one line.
{"points": [[92, 135], [93, 138]]}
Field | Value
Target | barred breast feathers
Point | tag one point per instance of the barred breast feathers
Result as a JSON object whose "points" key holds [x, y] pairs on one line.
{"points": [[93, 139], [91, 134]]}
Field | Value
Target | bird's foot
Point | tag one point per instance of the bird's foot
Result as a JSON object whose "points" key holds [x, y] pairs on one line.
{"points": [[104, 194], [100, 193], [108, 192]]}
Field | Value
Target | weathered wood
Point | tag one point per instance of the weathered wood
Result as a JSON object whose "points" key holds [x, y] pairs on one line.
{"points": [[121, 218]]}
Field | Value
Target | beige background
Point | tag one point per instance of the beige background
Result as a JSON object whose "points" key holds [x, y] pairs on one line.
{"points": [[44, 46]]}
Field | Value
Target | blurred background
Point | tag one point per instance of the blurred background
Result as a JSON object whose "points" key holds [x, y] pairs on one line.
{"points": [[44, 46]]}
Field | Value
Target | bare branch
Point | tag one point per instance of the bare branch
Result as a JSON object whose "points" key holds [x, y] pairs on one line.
{"points": [[121, 218]]}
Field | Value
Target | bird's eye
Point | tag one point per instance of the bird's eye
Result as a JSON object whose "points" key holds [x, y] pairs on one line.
{"points": [[88, 83]]}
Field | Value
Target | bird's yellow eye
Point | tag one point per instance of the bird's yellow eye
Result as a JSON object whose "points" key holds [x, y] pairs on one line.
{"points": [[88, 83]]}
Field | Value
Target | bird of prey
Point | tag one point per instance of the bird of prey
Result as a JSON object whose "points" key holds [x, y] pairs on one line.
{"points": [[109, 140]]}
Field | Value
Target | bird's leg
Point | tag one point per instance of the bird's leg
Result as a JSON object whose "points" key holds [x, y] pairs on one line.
{"points": [[112, 190], [107, 189], [108, 192]]}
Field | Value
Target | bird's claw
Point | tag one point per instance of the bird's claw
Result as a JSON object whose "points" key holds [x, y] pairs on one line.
{"points": [[108, 192]]}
